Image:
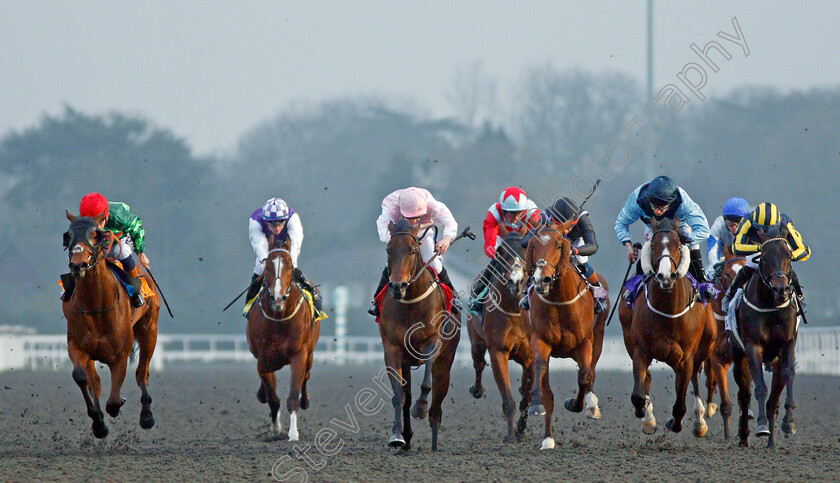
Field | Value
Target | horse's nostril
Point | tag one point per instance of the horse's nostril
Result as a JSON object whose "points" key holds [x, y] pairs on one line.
{"points": [[546, 280]]}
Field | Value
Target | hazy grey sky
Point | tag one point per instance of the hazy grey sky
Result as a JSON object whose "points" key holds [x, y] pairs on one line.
{"points": [[210, 70]]}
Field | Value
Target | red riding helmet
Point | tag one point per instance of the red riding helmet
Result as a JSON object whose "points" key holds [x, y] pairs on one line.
{"points": [[93, 204]]}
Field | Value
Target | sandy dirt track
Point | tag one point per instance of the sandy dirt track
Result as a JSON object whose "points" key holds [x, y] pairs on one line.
{"points": [[211, 427]]}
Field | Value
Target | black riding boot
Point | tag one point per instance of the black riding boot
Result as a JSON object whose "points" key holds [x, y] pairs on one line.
{"points": [[253, 290], [456, 304], [374, 309], [479, 284], [69, 283], [524, 303], [316, 297], [740, 279], [800, 295]]}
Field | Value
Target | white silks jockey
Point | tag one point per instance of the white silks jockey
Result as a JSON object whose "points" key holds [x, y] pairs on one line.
{"points": [[420, 208]]}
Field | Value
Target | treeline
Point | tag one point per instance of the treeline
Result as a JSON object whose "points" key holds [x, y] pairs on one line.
{"points": [[335, 161]]}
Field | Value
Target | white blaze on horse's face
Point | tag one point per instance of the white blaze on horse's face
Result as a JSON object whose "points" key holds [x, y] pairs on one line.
{"points": [[665, 260], [516, 272]]}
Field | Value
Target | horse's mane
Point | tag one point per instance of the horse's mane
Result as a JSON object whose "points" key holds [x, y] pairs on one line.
{"points": [[665, 223], [403, 226]]}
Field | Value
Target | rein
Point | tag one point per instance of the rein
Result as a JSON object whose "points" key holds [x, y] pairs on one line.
{"points": [[94, 252], [780, 273], [554, 277]]}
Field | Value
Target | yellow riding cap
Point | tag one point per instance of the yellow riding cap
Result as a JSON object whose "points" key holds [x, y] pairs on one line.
{"points": [[766, 214]]}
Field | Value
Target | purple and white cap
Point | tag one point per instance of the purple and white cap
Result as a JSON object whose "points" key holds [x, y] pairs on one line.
{"points": [[275, 209]]}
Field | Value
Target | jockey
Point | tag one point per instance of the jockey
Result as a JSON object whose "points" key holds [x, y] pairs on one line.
{"points": [[746, 244], [119, 224], [277, 219], [584, 245], [419, 207], [722, 234], [514, 212], [662, 198]]}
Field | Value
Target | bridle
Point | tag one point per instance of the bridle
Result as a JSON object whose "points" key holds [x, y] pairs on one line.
{"points": [[415, 252], [265, 282], [94, 251], [541, 263], [668, 256], [285, 296], [781, 273]]}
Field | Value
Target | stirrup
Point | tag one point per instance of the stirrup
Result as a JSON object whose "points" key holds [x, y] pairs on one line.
{"points": [[137, 301], [524, 303], [600, 305], [374, 309]]}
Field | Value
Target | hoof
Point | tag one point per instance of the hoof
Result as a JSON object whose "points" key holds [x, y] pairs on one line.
{"points": [[570, 405], [304, 402], [477, 392], [147, 421], [511, 439], [700, 430], [100, 430], [548, 443], [293, 436], [536, 410], [743, 443], [396, 441], [112, 409], [673, 426], [750, 414], [648, 427], [711, 409], [261, 397], [762, 430], [593, 413], [788, 428], [420, 410]]}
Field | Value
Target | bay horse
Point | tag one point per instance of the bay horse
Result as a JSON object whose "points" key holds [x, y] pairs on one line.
{"points": [[767, 325], [282, 331], [415, 328], [720, 358], [102, 326], [668, 324], [563, 323], [504, 330]]}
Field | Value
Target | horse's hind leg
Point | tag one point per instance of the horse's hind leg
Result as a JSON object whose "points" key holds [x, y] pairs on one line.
{"points": [[479, 348], [711, 385], [789, 374], [586, 376], [84, 374], [741, 373], [269, 382], [725, 402], [115, 402], [420, 410], [146, 336], [700, 426], [298, 370], [499, 364], [526, 360]]}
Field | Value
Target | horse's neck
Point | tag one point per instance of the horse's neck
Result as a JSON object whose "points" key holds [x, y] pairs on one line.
{"points": [[419, 286], [677, 298], [567, 286], [97, 286], [507, 302], [759, 293]]}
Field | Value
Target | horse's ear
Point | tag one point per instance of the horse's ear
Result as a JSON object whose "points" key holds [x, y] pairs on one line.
{"points": [[654, 223], [391, 227], [566, 227], [100, 217], [70, 216], [271, 241], [287, 244]]}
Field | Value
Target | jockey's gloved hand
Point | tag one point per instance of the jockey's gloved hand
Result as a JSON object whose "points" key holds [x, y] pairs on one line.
{"points": [[717, 269]]}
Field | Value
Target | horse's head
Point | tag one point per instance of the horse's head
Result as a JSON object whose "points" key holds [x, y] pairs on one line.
{"points": [[548, 255], [774, 265], [403, 256], [664, 255], [731, 266], [510, 256], [277, 275], [84, 241]]}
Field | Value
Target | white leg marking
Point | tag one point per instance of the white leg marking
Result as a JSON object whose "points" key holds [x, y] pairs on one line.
{"points": [[548, 443], [293, 431], [700, 427], [649, 421], [590, 405]]}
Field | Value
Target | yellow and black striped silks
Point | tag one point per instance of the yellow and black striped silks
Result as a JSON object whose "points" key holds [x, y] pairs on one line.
{"points": [[766, 214], [746, 240]]}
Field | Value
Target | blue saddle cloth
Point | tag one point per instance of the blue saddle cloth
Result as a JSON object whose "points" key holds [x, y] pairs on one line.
{"points": [[120, 273]]}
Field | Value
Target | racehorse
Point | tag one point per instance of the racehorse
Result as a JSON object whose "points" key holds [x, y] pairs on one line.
{"points": [[416, 329], [504, 330], [767, 325], [282, 331], [563, 323], [667, 324], [103, 326], [717, 365]]}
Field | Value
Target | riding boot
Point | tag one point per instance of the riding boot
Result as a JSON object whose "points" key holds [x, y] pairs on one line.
{"points": [[740, 279], [316, 297], [68, 283], [600, 302], [134, 281], [478, 286], [253, 291], [800, 295], [695, 267], [383, 280], [456, 304]]}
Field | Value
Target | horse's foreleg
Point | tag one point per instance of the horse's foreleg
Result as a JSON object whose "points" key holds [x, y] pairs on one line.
{"points": [[84, 374], [407, 433], [393, 365], [586, 376], [789, 374], [755, 355], [641, 390], [777, 385], [298, 373], [527, 385], [741, 373], [542, 399], [118, 369], [478, 349], [683, 375], [440, 384], [700, 426], [709, 369], [725, 401], [304, 394], [146, 337], [499, 364], [420, 410], [269, 382]]}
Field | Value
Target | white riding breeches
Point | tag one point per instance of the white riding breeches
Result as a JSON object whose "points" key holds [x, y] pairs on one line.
{"points": [[752, 261], [580, 259], [427, 249], [120, 250]]}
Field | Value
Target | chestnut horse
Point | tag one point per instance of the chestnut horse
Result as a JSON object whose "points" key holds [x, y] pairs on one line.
{"points": [[416, 329], [717, 365], [768, 324], [563, 323], [282, 331], [667, 323], [103, 326], [504, 329]]}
